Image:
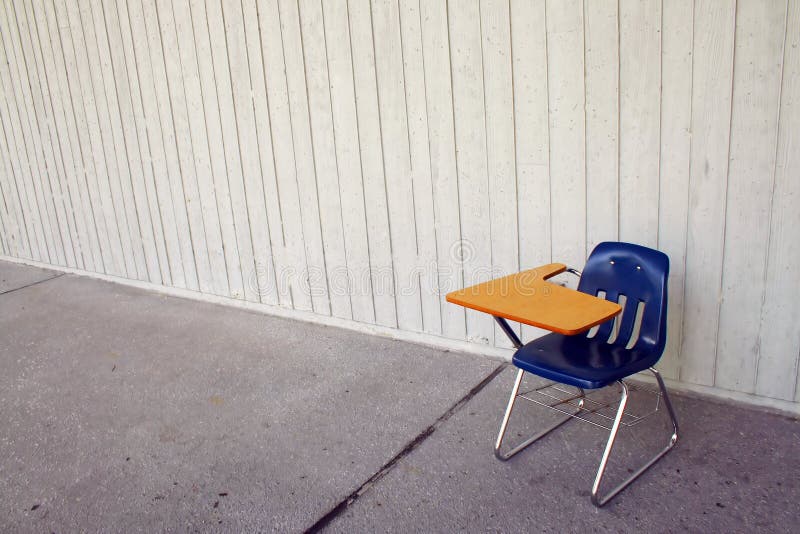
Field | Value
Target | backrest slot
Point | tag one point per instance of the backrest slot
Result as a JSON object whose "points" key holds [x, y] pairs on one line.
{"points": [[622, 301], [593, 330], [637, 325]]}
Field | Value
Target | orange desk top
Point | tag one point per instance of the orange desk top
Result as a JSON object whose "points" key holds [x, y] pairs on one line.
{"points": [[527, 297]]}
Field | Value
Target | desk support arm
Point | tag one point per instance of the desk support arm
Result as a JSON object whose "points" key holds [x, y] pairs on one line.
{"points": [[508, 331]]}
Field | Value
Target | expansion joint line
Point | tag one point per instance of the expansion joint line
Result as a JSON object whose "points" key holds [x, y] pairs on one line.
{"points": [[334, 512]]}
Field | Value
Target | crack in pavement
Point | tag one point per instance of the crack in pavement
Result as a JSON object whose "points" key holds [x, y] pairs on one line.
{"points": [[334, 512], [6, 292]]}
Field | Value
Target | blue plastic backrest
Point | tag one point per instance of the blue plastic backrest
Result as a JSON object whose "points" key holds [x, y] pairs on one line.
{"points": [[639, 273]]}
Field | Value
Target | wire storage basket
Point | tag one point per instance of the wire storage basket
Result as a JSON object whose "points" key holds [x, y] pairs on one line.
{"points": [[596, 407]]}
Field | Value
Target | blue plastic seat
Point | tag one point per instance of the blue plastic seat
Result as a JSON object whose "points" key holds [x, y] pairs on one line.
{"points": [[580, 361], [613, 269], [636, 278]]}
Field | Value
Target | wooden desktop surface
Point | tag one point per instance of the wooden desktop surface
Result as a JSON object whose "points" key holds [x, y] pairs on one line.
{"points": [[527, 297]]}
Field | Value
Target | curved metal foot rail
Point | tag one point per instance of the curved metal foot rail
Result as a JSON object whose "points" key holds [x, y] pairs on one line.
{"points": [[599, 501], [514, 394]]}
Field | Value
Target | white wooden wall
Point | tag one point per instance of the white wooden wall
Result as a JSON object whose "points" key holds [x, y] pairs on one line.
{"points": [[264, 149]]}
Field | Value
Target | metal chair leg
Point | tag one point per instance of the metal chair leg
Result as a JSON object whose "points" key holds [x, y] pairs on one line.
{"points": [[507, 416], [599, 501]]}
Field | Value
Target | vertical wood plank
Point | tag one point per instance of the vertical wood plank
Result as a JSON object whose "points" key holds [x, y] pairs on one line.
{"points": [[140, 63], [31, 93], [676, 110], [68, 181], [105, 214], [145, 260], [304, 155], [640, 112], [602, 56], [188, 278], [371, 156], [65, 253], [396, 160], [16, 231], [126, 88], [57, 179], [529, 51], [84, 124], [143, 62], [139, 155], [420, 160], [565, 77], [280, 257], [758, 59], [325, 163], [263, 277], [6, 223], [183, 142], [27, 134], [295, 263], [61, 35], [104, 94], [780, 330], [711, 114], [348, 161], [442, 147], [63, 150], [233, 161], [216, 157], [202, 186], [22, 167], [470, 134], [500, 147], [71, 127]]}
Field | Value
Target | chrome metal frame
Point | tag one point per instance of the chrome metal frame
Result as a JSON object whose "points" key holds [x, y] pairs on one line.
{"points": [[530, 441], [597, 499]]}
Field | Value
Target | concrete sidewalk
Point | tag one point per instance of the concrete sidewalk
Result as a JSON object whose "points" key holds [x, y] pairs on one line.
{"points": [[125, 410]]}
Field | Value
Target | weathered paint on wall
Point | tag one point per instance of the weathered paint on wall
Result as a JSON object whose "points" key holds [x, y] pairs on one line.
{"points": [[359, 159]]}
